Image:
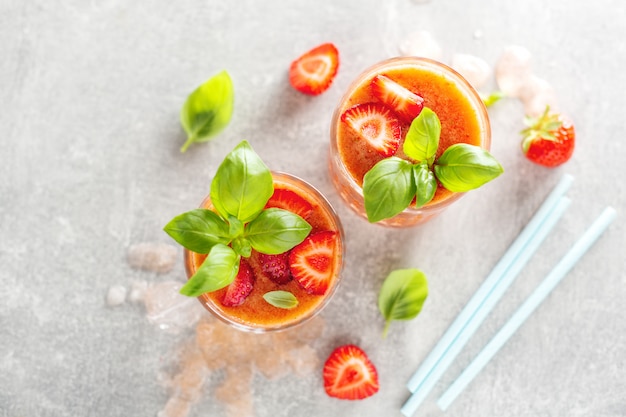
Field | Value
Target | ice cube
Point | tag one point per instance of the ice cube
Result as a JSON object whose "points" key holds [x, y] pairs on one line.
{"points": [[152, 256], [421, 43], [116, 295], [513, 70], [169, 309], [537, 94], [137, 291], [475, 70], [303, 360]]}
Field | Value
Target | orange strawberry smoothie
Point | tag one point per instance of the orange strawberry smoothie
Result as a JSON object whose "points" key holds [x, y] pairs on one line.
{"points": [[255, 314], [460, 110]]}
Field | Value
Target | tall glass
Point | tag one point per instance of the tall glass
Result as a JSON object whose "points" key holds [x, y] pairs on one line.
{"points": [[445, 91], [255, 314]]}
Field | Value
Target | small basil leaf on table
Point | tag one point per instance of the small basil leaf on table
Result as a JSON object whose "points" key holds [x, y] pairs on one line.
{"points": [[208, 109], [402, 295]]}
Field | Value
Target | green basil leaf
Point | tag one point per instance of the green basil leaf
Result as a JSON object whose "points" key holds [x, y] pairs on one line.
{"points": [[235, 227], [425, 182], [208, 110], [242, 184], [276, 231], [281, 299], [388, 188], [217, 271], [198, 230], [242, 247], [402, 295], [463, 167], [422, 139]]}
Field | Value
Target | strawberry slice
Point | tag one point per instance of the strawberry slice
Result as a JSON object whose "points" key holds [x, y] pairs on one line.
{"points": [[313, 72], [377, 124], [406, 103], [276, 267], [349, 374], [311, 262], [289, 200], [241, 287]]}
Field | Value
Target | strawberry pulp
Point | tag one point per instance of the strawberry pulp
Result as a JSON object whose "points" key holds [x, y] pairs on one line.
{"points": [[269, 272]]}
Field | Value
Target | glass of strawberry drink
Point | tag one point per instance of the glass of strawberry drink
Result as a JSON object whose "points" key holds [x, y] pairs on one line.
{"points": [[265, 250], [408, 138]]}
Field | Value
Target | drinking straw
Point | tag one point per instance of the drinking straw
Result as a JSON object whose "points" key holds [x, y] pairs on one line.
{"points": [[490, 300], [531, 303], [483, 291]]}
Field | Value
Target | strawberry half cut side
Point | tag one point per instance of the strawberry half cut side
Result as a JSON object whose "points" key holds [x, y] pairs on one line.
{"points": [[349, 374], [403, 101], [313, 72], [312, 262], [241, 287], [290, 201], [377, 124]]}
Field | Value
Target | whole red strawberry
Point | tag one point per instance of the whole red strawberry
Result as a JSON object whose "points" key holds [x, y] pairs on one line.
{"points": [[548, 139]]}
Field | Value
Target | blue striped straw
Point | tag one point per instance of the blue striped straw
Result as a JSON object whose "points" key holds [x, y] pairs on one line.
{"points": [[473, 322], [531, 303]]}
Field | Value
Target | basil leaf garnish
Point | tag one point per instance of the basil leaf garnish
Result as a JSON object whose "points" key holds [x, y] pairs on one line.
{"points": [[242, 184], [276, 231], [217, 271], [422, 139], [208, 109], [388, 188], [281, 299], [463, 167], [198, 230], [425, 182], [402, 295], [242, 246]]}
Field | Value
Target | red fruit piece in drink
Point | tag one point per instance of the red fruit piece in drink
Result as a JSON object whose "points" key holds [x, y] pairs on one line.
{"points": [[349, 374], [312, 262], [313, 72], [241, 287], [377, 124], [289, 200], [403, 101], [276, 267], [549, 139]]}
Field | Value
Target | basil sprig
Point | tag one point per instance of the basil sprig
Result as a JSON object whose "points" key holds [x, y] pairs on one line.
{"points": [[402, 295], [239, 192], [208, 109], [390, 186]]}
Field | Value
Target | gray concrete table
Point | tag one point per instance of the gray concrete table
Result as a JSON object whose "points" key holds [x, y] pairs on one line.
{"points": [[90, 93]]}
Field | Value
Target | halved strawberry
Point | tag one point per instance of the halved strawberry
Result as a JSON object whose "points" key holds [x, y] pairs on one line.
{"points": [[289, 200], [377, 124], [312, 261], [314, 71], [241, 287], [349, 374], [275, 267], [406, 103]]}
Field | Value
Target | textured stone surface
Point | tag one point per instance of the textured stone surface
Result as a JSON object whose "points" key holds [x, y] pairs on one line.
{"points": [[89, 166]]}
